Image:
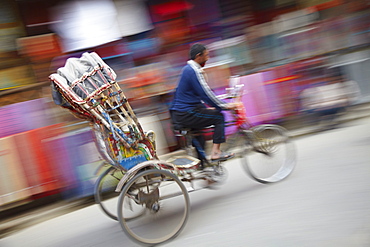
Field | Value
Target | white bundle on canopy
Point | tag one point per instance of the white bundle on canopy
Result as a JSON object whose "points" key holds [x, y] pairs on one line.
{"points": [[85, 77], [89, 85]]}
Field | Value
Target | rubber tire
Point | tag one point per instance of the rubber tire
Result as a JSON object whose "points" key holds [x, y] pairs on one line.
{"points": [[176, 231]]}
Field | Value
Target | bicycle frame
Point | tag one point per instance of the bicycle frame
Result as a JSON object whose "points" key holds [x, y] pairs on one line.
{"points": [[240, 121]]}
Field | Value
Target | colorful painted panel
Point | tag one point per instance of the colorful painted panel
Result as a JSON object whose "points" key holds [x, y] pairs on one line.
{"points": [[24, 116], [13, 185]]}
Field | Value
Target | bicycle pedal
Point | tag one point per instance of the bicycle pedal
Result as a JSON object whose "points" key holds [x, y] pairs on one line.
{"points": [[207, 169], [215, 162]]}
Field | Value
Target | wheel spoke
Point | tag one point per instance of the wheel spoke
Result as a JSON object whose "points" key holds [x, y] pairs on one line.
{"points": [[104, 191], [165, 203], [273, 158]]}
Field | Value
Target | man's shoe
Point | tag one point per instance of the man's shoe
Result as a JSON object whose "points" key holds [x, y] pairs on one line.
{"points": [[223, 157]]}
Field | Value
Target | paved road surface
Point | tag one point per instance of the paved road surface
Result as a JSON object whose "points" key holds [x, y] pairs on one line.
{"points": [[324, 203]]}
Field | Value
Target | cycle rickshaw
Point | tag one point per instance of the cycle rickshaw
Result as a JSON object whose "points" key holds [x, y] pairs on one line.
{"points": [[153, 195]]}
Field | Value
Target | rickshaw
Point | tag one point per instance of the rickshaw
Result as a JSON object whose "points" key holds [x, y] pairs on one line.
{"points": [[150, 195]]}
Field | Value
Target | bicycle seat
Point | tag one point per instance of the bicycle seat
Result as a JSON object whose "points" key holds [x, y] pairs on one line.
{"points": [[178, 127], [180, 130]]}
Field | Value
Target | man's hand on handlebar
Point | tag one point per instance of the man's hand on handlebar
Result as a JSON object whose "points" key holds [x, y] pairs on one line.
{"points": [[234, 105]]}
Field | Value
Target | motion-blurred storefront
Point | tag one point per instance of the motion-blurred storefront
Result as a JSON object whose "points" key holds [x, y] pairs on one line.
{"points": [[279, 48]]}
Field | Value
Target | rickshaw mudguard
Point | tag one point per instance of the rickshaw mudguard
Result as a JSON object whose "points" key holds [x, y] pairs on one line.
{"points": [[153, 164]]}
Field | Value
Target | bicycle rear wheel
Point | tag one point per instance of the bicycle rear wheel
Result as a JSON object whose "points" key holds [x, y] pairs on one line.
{"points": [[273, 155], [104, 191], [165, 201]]}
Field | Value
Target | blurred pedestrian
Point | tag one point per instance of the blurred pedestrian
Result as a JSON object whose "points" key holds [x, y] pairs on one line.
{"points": [[329, 99]]}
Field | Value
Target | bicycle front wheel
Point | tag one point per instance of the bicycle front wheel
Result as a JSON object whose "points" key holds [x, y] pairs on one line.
{"points": [[104, 191], [165, 201], [273, 155]]}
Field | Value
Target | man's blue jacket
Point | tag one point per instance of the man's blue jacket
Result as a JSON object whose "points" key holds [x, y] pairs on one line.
{"points": [[193, 90]]}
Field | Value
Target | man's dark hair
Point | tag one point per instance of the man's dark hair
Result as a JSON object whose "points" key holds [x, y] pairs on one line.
{"points": [[196, 49]]}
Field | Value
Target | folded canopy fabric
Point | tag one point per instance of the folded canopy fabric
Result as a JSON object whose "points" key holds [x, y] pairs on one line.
{"points": [[83, 78]]}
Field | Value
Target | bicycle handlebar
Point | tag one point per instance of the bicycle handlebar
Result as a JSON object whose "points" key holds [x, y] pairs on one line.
{"points": [[235, 91]]}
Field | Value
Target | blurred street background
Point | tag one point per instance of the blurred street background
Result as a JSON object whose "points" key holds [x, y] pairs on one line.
{"points": [[305, 65]]}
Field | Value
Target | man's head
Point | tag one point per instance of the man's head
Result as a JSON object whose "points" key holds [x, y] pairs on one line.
{"points": [[199, 54]]}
